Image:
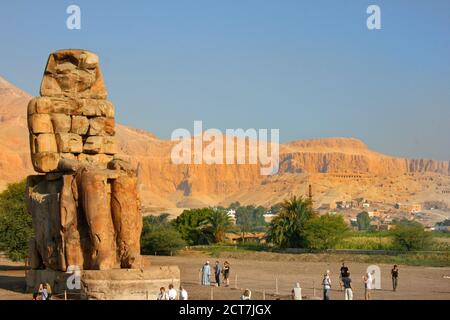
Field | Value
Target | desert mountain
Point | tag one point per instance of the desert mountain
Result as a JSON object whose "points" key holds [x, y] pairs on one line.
{"points": [[337, 168]]}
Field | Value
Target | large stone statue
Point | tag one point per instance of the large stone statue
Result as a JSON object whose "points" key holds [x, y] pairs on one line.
{"points": [[85, 204]]}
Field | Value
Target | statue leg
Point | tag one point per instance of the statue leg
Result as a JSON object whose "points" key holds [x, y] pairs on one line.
{"points": [[70, 223], [127, 220], [95, 197]]}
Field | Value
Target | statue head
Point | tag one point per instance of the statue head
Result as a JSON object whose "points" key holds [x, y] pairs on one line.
{"points": [[71, 120]]}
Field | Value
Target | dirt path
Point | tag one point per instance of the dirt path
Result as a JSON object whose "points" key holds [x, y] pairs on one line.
{"points": [[263, 276], [414, 282]]}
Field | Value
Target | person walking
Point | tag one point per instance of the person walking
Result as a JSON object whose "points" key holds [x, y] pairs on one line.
{"points": [[394, 275], [342, 274], [226, 273], [348, 291], [297, 292], [217, 272], [162, 295], [183, 293], [326, 282], [206, 272], [172, 294], [367, 279]]}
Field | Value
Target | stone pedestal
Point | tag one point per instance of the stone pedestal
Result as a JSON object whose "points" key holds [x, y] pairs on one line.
{"points": [[114, 284], [128, 284]]}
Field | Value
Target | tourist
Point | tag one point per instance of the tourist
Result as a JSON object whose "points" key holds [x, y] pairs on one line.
{"points": [[183, 293], [49, 291], [172, 294], [206, 271], [162, 295], [326, 285], [347, 283], [394, 274], [246, 295], [226, 273], [44, 292], [36, 292], [343, 273], [217, 272], [297, 292], [367, 285]]}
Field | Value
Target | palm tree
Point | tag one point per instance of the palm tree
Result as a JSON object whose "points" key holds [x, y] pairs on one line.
{"points": [[217, 224], [286, 229]]}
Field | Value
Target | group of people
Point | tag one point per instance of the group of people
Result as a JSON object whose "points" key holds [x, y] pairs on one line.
{"points": [[346, 283], [220, 272], [172, 293], [42, 292]]}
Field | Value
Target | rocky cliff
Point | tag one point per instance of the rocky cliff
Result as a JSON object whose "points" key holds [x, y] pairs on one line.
{"points": [[165, 185]]}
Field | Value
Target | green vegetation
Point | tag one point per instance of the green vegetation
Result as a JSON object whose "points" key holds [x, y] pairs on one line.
{"points": [[217, 223], [287, 229], [373, 242], [203, 226], [265, 252], [16, 228], [251, 218], [189, 223], [410, 236], [159, 236], [325, 232], [363, 221]]}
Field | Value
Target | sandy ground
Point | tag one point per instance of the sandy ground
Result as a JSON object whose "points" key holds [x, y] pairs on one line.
{"points": [[263, 277]]}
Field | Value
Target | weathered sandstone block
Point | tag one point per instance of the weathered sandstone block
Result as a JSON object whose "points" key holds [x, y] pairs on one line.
{"points": [[40, 123], [110, 145], [100, 159], [46, 142], [96, 108], [93, 144], [101, 126], [45, 162], [80, 125], [69, 142], [61, 122]]}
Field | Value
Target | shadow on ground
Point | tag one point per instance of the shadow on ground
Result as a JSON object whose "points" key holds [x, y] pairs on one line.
{"points": [[12, 283]]}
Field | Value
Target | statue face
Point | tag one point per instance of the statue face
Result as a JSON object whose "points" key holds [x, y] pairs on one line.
{"points": [[73, 73]]}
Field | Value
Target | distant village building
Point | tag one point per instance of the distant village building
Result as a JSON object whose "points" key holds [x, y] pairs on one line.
{"points": [[232, 214], [268, 217], [443, 226], [411, 208], [255, 237]]}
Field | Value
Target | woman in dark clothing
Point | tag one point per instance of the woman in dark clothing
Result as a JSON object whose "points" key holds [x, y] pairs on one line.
{"points": [[394, 274]]}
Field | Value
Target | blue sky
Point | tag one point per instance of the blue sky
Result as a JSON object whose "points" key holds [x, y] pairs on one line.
{"points": [[310, 68]]}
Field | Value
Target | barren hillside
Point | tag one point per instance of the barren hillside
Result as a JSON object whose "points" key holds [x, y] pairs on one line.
{"points": [[338, 168]]}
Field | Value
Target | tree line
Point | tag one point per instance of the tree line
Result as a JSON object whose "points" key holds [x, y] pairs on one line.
{"points": [[296, 225]]}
